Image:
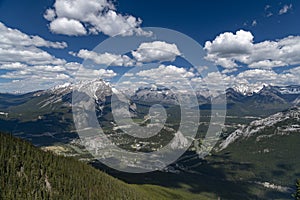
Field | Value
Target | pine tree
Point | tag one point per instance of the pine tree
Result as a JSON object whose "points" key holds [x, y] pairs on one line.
{"points": [[297, 194]]}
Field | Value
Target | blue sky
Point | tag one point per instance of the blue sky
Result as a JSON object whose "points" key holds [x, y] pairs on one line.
{"points": [[223, 28]]}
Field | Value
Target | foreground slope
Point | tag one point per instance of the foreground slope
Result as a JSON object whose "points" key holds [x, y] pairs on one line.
{"points": [[29, 173], [26, 172]]}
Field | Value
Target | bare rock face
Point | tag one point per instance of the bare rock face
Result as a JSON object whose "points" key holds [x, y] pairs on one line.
{"points": [[257, 126]]}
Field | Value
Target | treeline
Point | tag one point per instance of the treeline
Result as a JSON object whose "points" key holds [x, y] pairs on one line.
{"points": [[26, 172]]}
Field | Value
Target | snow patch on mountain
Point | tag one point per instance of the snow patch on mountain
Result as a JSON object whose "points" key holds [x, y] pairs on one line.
{"points": [[96, 89], [248, 90], [292, 89]]}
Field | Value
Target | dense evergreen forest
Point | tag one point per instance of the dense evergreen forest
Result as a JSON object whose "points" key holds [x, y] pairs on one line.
{"points": [[26, 172]]}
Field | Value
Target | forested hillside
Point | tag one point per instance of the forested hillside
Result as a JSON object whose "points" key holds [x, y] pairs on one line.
{"points": [[29, 173]]}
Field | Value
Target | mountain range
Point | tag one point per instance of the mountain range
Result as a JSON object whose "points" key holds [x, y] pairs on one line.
{"points": [[264, 94]]}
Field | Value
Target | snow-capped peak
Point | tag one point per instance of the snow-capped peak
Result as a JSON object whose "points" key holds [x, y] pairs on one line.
{"points": [[292, 89], [65, 85], [249, 90]]}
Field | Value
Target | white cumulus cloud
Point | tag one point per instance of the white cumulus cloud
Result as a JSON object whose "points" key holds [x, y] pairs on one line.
{"points": [[67, 26], [166, 74], [93, 16], [16, 46], [12, 37], [26, 67], [156, 51], [107, 59], [229, 49]]}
